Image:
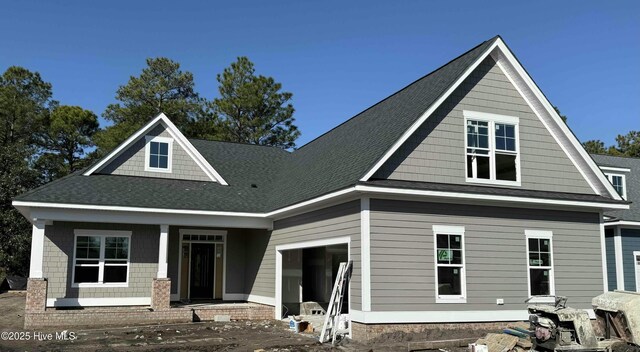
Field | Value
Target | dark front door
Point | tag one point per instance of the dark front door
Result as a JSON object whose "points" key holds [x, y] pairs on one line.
{"points": [[203, 256]]}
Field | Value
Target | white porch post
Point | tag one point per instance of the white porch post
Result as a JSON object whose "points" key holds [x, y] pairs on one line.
{"points": [[37, 249], [617, 247], [162, 252]]}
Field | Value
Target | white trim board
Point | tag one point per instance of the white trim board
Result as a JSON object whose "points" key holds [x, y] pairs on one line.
{"points": [[98, 302], [464, 316], [365, 253], [622, 223], [298, 245], [619, 258], [486, 197], [177, 136], [616, 169], [23, 206], [523, 82]]}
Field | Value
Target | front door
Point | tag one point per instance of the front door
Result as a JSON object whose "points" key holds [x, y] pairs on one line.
{"points": [[203, 262]]}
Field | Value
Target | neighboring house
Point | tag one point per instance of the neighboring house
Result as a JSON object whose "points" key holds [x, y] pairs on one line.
{"points": [[622, 227], [457, 198]]}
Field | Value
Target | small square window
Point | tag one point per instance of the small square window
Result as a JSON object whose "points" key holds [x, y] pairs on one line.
{"points": [[158, 154]]}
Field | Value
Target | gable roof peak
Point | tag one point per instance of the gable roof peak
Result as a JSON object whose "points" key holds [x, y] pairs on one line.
{"points": [[163, 119]]}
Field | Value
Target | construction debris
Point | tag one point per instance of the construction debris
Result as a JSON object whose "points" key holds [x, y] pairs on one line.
{"points": [[498, 342], [436, 345]]}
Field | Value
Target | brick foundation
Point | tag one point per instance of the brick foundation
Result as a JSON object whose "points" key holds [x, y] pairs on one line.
{"points": [[36, 295], [116, 316], [244, 311], [365, 332], [161, 294]]}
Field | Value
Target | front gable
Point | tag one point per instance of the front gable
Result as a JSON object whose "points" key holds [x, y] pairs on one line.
{"points": [[495, 82], [157, 150], [436, 151]]}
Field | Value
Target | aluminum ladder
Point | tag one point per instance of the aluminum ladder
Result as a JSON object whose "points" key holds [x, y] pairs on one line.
{"points": [[332, 318]]}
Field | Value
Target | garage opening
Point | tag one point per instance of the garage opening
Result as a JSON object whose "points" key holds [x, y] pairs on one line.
{"points": [[308, 276]]}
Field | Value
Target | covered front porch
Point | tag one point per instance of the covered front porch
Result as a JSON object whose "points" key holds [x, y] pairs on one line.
{"points": [[160, 272]]}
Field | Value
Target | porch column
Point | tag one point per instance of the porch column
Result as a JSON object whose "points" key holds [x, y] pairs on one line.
{"points": [[37, 249], [162, 253]]}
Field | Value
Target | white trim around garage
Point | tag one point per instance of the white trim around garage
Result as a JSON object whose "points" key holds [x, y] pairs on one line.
{"points": [[299, 245], [98, 302], [603, 254], [622, 223]]}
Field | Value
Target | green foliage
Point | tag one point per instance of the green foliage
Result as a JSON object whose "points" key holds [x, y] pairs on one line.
{"points": [[69, 133], [626, 145], [594, 147], [629, 144], [25, 104], [563, 117], [161, 87], [252, 109]]}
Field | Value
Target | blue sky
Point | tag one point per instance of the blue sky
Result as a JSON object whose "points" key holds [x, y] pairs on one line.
{"points": [[338, 58]]}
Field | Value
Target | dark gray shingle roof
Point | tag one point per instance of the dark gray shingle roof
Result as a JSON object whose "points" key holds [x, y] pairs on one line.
{"points": [[335, 160], [632, 183], [265, 178]]}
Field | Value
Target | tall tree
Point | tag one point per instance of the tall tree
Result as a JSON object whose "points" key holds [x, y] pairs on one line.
{"points": [[161, 87], [594, 147], [629, 144], [69, 134], [25, 102], [252, 109]]}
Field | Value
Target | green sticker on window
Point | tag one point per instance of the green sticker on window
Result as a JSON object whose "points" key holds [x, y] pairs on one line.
{"points": [[444, 255], [546, 273], [455, 271], [535, 261]]}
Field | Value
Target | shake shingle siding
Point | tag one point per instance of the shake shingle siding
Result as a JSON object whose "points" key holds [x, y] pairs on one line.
{"points": [[338, 221], [58, 259], [402, 262], [132, 162], [436, 152]]}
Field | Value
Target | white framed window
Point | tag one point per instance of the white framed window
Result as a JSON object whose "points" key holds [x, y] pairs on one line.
{"points": [[158, 154], [450, 275], [492, 148], [540, 275], [619, 183], [101, 258]]}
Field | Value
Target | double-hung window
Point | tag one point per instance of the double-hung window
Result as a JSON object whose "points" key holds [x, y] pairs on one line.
{"points": [[492, 148], [158, 153], [101, 258], [540, 263], [449, 264]]}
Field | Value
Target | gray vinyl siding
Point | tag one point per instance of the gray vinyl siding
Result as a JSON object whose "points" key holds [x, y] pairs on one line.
{"points": [[402, 260], [630, 243], [336, 221], [132, 162], [58, 260], [611, 259], [436, 151]]}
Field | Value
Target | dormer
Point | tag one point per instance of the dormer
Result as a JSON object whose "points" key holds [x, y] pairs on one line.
{"points": [[158, 150]]}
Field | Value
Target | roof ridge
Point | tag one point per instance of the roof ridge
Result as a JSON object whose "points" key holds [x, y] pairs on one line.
{"points": [[240, 143], [617, 156], [398, 91]]}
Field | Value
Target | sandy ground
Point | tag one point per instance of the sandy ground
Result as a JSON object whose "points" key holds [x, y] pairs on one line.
{"points": [[267, 336]]}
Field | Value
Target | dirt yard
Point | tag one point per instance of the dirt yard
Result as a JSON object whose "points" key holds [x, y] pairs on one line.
{"points": [[252, 336]]}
